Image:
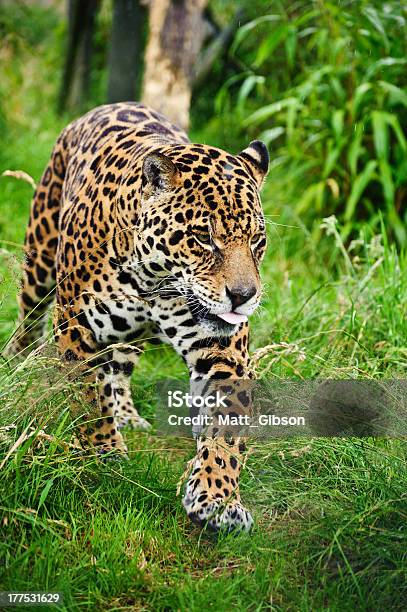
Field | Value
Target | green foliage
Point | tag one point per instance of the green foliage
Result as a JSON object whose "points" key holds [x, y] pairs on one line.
{"points": [[325, 85]]}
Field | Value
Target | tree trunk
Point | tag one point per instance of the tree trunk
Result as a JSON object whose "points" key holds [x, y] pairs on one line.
{"points": [[76, 75], [176, 34], [126, 50]]}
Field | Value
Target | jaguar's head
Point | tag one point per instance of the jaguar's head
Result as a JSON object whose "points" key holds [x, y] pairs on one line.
{"points": [[201, 229]]}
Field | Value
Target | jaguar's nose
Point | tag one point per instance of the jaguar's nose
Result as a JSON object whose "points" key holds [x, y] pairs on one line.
{"points": [[240, 295]]}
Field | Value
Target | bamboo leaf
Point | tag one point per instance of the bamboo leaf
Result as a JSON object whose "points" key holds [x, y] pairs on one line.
{"points": [[355, 149], [247, 87], [386, 180], [337, 123], [360, 93], [272, 134], [396, 94], [243, 32], [384, 63], [271, 109], [270, 43], [331, 158], [290, 44], [359, 185], [374, 18], [380, 134], [393, 121]]}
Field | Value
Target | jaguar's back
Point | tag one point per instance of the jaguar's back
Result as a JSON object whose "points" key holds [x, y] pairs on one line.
{"points": [[92, 153]]}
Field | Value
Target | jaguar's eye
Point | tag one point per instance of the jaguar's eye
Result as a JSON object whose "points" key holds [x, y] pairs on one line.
{"points": [[203, 237], [256, 238]]}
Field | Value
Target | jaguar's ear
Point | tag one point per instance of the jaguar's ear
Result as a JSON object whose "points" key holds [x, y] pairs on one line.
{"points": [[159, 173], [256, 157]]}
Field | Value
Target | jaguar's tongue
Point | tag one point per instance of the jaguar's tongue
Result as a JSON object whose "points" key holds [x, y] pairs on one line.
{"points": [[232, 317]]}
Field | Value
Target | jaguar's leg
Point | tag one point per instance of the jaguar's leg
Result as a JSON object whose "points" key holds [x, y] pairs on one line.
{"points": [[116, 391], [212, 495], [93, 404]]}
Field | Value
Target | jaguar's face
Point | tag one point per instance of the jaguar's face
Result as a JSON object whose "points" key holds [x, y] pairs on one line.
{"points": [[202, 230]]}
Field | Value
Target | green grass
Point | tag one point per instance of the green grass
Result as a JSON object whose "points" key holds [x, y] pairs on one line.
{"points": [[330, 514]]}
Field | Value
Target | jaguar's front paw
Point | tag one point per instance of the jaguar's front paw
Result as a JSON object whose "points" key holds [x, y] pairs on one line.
{"points": [[217, 514], [212, 495]]}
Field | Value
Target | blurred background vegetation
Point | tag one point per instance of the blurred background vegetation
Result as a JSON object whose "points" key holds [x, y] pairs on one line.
{"points": [[322, 83]]}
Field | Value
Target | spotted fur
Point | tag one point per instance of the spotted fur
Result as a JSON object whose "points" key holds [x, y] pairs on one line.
{"points": [[141, 234]]}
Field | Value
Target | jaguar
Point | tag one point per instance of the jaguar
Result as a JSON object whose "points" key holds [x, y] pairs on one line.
{"points": [[141, 236]]}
